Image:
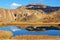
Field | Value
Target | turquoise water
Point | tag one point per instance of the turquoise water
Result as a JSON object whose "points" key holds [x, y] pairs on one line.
{"points": [[16, 31]]}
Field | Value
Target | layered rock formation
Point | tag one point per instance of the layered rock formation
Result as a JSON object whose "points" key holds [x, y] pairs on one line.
{"points": [[32, 12], [6, 15]]}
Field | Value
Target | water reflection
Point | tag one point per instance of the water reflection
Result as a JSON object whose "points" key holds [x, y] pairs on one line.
{"points": [[16, 31]]}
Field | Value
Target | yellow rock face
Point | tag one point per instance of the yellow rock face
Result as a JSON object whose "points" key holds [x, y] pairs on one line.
{"points": [[5, 34]]}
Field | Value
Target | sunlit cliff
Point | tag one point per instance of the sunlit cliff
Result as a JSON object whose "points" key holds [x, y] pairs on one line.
{"points": [[32, 12]]}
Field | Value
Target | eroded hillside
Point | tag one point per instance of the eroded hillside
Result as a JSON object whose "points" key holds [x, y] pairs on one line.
{"points": [[32, 12]]}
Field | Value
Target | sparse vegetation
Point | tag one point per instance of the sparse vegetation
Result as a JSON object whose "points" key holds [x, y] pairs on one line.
{"points": [[36, 13]]}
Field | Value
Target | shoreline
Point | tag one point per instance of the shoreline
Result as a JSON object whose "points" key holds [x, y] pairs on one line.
{"points": [[36, 37]]}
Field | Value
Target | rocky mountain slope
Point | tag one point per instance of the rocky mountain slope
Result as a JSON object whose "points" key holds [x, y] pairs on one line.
{"points": [[32, 12]]}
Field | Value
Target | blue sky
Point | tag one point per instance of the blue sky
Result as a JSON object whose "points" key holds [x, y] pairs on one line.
{"points": [[17, 3]]}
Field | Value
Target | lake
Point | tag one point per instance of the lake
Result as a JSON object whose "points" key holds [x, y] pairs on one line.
{"points": [[16, 31]]}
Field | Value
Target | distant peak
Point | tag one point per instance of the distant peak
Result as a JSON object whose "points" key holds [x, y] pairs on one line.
{"points": [[37, 5]]}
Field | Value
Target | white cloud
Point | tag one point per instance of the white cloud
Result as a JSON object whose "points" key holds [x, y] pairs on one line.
{"points": [[15, 5]]}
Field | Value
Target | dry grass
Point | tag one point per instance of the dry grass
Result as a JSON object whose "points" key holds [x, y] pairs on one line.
{"points": [[36, 37], [5, 34]]}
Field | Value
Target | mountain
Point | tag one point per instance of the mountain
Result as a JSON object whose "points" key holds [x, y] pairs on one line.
{"points": [[31, 12]]}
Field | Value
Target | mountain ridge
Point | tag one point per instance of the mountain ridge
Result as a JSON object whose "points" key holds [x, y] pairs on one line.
{"points": [[32, 12]]}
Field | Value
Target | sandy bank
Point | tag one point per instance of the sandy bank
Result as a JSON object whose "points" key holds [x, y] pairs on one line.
{"points": [[5, 34], [36, 37]]}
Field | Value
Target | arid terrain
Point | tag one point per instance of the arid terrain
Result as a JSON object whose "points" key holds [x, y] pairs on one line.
{"points": [[5, 34], [29, 13], [36, 37], [32, 13]]}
